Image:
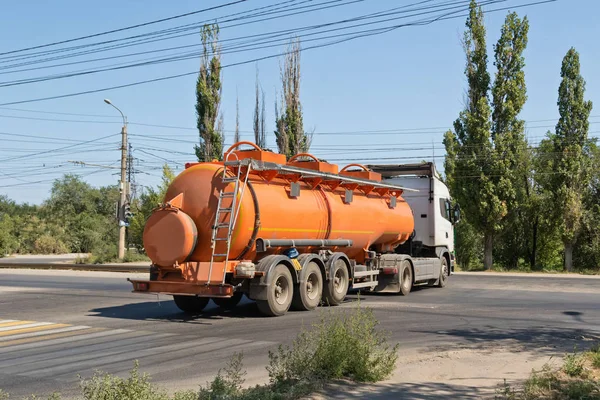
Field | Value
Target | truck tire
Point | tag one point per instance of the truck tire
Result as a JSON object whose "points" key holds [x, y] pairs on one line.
{"points": [[279, 293], [406, 277], [336, 288], [191, 304], [444, 273], [307, 295], [228, 303]]}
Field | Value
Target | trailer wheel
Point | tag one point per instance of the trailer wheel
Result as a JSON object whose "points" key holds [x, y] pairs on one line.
{"points": [[336, 288], [279, 294], [406, 278], [444, 272], [191, 304], [228, 303], [310, 289]]}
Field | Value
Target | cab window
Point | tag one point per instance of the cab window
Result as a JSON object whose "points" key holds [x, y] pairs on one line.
{"points": [[445, 208]]}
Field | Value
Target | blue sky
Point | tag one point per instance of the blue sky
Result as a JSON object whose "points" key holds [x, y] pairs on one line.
{"points": [[408, 82]]}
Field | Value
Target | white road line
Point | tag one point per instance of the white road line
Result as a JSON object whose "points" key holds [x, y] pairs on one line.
{"points": [[69, 339], [40, 333], [30, 325], [4, 321]]}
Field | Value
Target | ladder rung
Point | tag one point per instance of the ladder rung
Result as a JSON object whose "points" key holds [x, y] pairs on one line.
{"points": [[221, 239], [227, 194], [220, 255], [234, 179], [228, 209], [221, 226]]}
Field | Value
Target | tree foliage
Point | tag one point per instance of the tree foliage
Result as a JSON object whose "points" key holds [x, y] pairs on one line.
{"points": [[470, 147], [571, 168], [259, 127], [208, 97], [290, 135]]}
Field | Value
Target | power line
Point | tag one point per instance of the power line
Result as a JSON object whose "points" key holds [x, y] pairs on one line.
{"points": [[256, 59], [122, 29]]}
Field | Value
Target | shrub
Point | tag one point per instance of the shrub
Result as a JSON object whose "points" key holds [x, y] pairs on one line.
{"points": [[227, 384], [340, 345], [48, 244], [102, 386], [573, 365]]}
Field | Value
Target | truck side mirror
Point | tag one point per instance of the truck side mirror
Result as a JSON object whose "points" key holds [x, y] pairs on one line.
{"points": [[456, 213]]}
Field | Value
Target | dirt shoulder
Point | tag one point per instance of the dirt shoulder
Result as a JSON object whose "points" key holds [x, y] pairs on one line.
{"points": [[463, 373]]}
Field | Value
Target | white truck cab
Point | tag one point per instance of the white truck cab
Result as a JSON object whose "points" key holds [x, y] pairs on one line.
{"points": [[433, 211]]}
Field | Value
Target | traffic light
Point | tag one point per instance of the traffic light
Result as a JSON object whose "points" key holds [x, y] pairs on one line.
{"points": [[127, 214]]}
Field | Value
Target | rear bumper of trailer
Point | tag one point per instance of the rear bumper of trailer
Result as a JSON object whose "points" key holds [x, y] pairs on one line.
{"points": [[182, 288]]}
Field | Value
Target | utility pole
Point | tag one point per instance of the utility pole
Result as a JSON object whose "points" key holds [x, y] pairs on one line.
{"points": [[123, 184]]}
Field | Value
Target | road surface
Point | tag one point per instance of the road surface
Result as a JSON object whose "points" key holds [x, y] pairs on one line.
{"points": [[57, 324]]}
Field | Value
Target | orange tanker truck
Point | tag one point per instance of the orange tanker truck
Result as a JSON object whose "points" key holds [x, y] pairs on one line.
{"points": [[296, 233]]}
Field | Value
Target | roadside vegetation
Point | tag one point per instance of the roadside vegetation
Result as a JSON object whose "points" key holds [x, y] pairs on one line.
{"points": [[341, 345], [527, 205], [577, 379], [77, 218]]}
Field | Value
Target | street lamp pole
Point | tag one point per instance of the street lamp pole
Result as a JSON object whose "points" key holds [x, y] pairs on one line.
{"points": [[123, 187]]}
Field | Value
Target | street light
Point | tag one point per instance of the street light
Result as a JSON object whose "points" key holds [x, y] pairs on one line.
{"points": [[123, 188]]}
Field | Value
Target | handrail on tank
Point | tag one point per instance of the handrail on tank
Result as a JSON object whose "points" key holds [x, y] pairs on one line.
{"points": [[354, 165], [238, 144], [293, 158]]}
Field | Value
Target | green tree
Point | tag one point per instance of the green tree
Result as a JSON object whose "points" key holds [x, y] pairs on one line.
{"points": [[511, 175], [147, 202], [571, 167], [470, 144], [208, 97], [260, 135], [290, 135]]}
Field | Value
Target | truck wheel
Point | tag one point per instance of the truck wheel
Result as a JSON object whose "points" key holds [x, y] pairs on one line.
{"points": [[406, 278], [336, 288], [308, 294], [191, 304], [279, 294], [444, 272], [228, 303]]}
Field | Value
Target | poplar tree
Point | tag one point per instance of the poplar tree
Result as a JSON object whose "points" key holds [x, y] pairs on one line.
{"points": [[289, 133], [511, 175], [208, 97], [469, 147], [260, 136], [570, 170]]}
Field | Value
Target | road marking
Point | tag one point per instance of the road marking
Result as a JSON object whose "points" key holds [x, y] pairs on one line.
{"points": [[47, 330], [46, 326], [40, 342], [13, 322], [23, 325], [48, 337]]}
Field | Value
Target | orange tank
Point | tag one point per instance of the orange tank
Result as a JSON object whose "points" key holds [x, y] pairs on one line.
{"points": [[270, 209]]}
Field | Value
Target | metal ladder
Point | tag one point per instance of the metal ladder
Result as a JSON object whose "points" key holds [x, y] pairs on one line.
{"points": [[233, 212]]}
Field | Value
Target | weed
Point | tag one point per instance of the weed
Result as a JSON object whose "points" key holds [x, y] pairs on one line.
{"points": [[340, 345], [573, 365], [102, 386]]}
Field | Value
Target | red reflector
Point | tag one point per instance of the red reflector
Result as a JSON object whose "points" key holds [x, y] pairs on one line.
{"points": [[390, 271], [142, 286]]}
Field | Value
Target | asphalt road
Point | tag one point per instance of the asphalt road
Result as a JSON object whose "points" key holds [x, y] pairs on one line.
{"points": [[57, 324]]}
